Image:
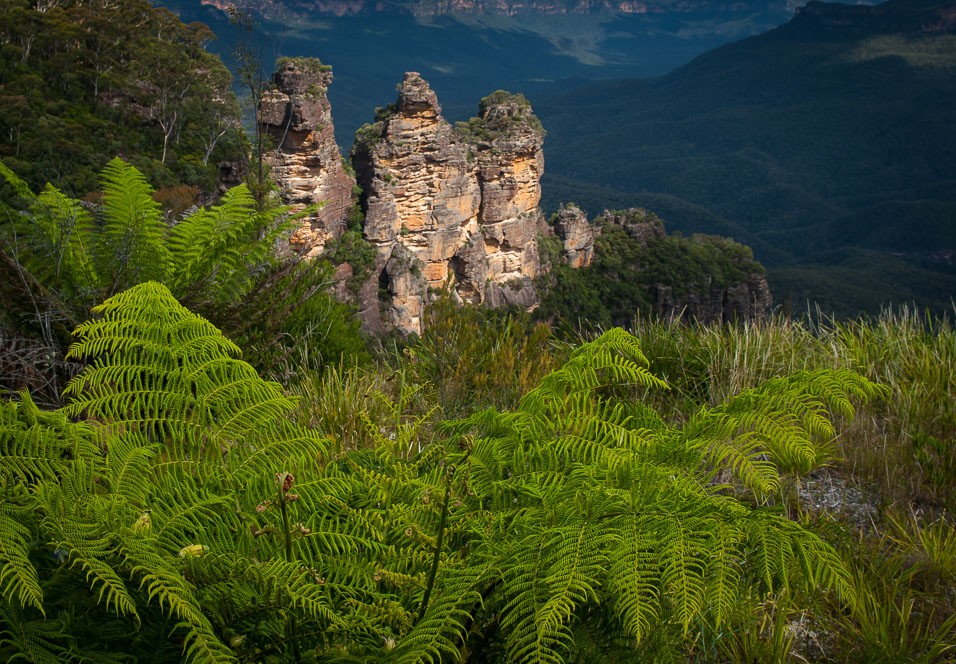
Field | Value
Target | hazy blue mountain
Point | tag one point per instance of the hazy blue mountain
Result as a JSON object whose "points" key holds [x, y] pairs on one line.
{"points": [[465, 56], [827, 144]]}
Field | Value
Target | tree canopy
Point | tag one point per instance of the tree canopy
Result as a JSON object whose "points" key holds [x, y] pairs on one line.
{"points": [[81, 82]]}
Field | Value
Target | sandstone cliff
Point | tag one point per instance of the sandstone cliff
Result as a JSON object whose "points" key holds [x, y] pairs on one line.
{"points": [[306, 162], [449, 207], [577, 236]]}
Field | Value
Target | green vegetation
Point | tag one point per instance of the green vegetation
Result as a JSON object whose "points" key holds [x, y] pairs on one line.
{"points": [[634, 263], [810, 143], [487, 494], [490, 126], [61, 256], [312, 65], [187, 506], [201, 460], [84, 81], [354, 249]]}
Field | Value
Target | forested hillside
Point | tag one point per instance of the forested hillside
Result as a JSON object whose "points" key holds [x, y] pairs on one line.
{"points": [[81, 83], [826, 145]]}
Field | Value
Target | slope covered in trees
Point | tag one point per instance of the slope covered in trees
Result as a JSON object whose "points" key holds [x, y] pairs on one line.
{"points": [[81, 82], [826, 145]]}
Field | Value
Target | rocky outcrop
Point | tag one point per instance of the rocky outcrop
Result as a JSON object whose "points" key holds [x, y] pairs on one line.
{"points": [[576, 234], [716, 279], [306, 162], [506, 139], [643, 226], [745, 300], [449, 207]]}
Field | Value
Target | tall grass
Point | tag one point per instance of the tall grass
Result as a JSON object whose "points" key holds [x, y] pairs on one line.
{"points": [[905, 446], [900, 452]]}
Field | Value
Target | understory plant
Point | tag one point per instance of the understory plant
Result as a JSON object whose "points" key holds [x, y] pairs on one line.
{"points": [[173, 509], [60, 256]]}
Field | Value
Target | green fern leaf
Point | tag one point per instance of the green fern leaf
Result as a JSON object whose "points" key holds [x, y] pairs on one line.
{"points": [[132, 239]]}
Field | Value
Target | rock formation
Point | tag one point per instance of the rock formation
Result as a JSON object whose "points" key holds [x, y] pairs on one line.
{"points": [[456, 208], [449, 207], [577, 236], [306, 162]]}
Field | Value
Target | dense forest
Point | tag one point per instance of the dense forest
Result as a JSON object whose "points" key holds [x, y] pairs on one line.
{"points": [[203, 459], [825, 144], [82, 82]]}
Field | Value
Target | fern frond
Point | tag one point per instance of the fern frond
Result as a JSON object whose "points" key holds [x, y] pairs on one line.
{"points": [[168, 373], [19, 581], [37, 446], [634, 582], [685, 553], [43, 641], [615, 358], [437, 637], [133, 245], [20, 188], [176, 596], [218, 251], [778, 426]]}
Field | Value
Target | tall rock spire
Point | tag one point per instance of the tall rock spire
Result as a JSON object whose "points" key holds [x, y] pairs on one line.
{"points": [[305, 160], [449, 206]]}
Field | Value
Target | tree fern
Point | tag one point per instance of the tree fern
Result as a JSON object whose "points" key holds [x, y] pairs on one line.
{"points": [[217, 252], [187, 505], [131, 241], [639, 498], [63, 256], [185, 428]]}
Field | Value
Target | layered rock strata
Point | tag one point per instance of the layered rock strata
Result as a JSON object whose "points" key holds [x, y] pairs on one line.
{"points": [[306, 162], [449, 207], [576, 234]]}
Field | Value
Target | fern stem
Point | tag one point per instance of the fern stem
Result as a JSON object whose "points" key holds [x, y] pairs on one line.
{"points": [[442, 523], [287, 545], [436, 559]]}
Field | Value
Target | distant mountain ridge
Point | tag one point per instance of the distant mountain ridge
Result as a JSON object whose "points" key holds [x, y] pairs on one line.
{"points": [[896, 16], [275, 8]]}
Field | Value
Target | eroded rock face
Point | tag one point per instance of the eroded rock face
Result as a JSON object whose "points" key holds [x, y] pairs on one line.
{"points": [[507, 139], [306, 162], [640, 224], [576, 234], [449, 207]]}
